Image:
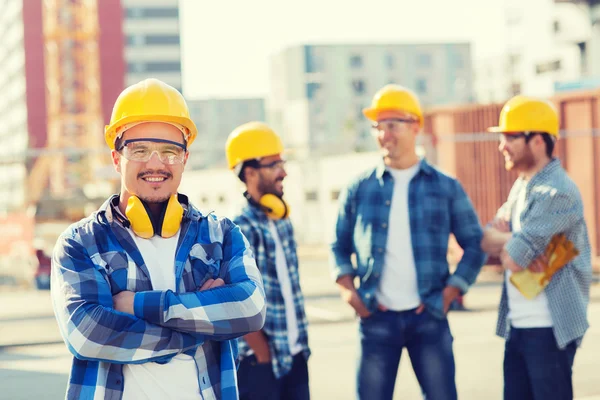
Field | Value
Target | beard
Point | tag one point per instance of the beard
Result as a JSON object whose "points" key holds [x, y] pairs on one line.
{"points": [[525, 162], [266, 187], [155, 199]]}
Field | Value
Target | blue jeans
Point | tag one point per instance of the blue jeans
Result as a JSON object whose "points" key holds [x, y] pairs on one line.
{"points": [[428, 341], [535, 368], [257, 381]]}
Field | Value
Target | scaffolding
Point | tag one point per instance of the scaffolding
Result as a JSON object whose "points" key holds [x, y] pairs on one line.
{"points": [[73, 95]]}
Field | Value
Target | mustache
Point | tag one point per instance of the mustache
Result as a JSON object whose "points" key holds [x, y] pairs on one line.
{"points": [[160, 172]]}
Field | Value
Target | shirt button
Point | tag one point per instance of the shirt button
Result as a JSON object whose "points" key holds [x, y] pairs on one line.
{"points": [[387, 202], [384, 225], [380, 250], [368, 295]]}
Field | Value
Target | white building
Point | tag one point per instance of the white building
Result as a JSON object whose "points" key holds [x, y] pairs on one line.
{"points": [[311, 189], [317, 93], [13, 106], [215, 119], [547, 44], [152, 41]]}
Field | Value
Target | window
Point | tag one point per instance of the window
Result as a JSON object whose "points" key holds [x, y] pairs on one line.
{"points": [[359, 86], [139, 12], [311, 89], [424, 60], [356, 61], [313, 61], [311, 196], [162, 39], [335, 194], [163, 66], [548, 67], [556, 26], [422, 86], [390, 61]]}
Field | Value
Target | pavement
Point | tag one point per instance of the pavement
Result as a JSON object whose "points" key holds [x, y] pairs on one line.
{"points": [[32, 350]]}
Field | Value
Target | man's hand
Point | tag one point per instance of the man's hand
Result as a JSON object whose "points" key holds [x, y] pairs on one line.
{"points": [[350, 296], [124, 302], [449, 294], [540, 264], [212, 283], [501, 225], [494, 238], [259, 344]]}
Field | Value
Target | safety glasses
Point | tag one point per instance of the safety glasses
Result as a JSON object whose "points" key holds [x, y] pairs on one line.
{"points": [[394, 125], [141, 150]]}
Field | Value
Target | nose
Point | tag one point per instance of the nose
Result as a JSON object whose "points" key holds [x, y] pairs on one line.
{"points": [[154, 161], [502, 146]]}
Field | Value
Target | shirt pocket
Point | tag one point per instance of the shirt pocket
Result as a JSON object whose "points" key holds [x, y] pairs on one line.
{"points": [[436, 212], [116, 265], [206, 259]]}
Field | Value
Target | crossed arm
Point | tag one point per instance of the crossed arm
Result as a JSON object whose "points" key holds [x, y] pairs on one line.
{"points": [[163, 323]]}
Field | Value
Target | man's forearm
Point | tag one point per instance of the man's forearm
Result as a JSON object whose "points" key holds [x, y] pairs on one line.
{"points": [[346, 282], [493, 242]]}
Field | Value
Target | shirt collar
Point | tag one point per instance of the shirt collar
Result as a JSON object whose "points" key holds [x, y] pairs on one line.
{"points": [[423, 167]]}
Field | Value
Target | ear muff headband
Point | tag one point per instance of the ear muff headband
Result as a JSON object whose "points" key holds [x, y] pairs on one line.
{"points": [[145, 226], [274, 206]]}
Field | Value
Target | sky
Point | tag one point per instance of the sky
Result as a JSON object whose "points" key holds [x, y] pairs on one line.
{"points": [[226, 44]]}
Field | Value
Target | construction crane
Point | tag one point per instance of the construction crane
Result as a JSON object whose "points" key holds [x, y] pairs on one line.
{"points": [[74, 115]]}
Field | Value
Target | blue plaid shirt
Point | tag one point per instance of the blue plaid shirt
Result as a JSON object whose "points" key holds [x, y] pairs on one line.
{"points": [[553, 205], [438, 207], [255, 225], [97, 258]]}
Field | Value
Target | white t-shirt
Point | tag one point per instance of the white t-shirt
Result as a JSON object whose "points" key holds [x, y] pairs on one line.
{"points": [[398, 289], [285, 283], [177, 379], [525, 313]]}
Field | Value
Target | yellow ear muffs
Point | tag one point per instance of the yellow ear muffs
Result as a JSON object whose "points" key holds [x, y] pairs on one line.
{"points": [[274, 206], [144, 226], [172, 217]]}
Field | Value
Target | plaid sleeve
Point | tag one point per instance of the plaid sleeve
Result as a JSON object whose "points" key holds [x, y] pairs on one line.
{"points": [[553, 212], [222, 313], [468, 232], [90, 327], [343, 245]]}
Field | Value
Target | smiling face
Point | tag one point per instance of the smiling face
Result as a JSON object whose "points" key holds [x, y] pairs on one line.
{"points": [[154, 180], [396, 134]]}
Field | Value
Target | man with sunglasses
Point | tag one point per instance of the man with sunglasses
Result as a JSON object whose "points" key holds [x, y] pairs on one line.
{"points": [[543, 333], [396, 219], [273, 362], [149, 293]]}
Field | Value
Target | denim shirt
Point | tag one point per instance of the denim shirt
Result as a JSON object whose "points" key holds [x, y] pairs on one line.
{"points": [[438, 206], [553, 205]]}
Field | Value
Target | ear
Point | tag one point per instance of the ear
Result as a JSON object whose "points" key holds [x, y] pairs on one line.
{"points": [[185, 159], [116, 160], [416, 128]]}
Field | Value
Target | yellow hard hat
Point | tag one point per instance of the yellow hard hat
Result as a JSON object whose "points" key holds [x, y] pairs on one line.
{"points": [[250, 141], [527, 114], [150, 100], [394, 98]]}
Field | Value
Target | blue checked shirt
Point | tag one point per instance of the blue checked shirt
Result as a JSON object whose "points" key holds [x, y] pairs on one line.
{"points": [[552, 205], [438, 207], [97, 258], [255, 225]]}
